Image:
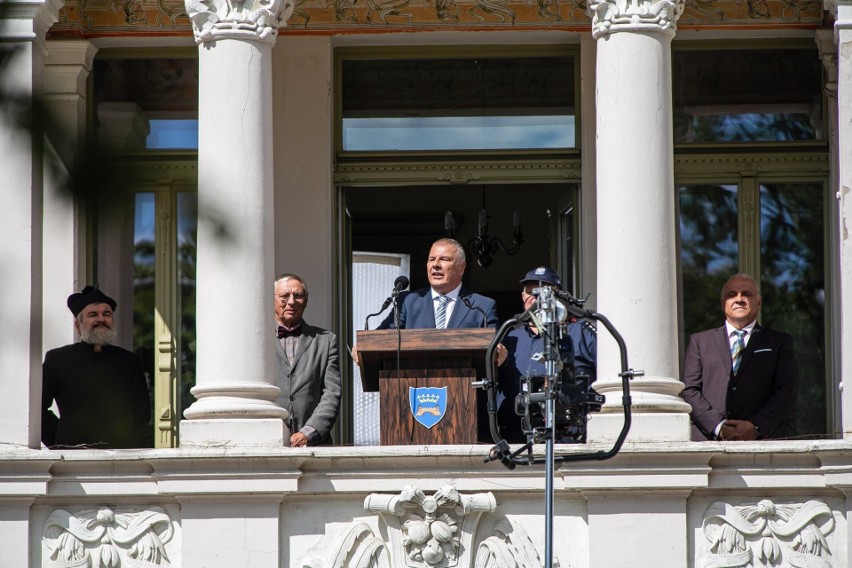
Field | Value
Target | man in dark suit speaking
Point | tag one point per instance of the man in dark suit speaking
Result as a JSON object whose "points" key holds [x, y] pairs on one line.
{"points": [[741, 379], [446, 303]]}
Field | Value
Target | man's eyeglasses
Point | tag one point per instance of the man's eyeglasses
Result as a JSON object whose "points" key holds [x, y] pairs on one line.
{"points": [[297, 297]]}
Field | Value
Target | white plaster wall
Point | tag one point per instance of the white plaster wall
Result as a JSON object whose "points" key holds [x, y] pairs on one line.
{"points": [[588, 218], [303, 156], [276, 508]]}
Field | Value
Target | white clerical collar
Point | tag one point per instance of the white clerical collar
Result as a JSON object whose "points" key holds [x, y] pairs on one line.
{"points": [[452, 294]]}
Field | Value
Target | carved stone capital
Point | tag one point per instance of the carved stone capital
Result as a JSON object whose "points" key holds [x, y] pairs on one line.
{"points": [[609, 16], [828, 56], [256, 20]]}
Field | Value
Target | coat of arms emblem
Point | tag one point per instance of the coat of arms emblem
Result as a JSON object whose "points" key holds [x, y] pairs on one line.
{"points": [[428, 404]]}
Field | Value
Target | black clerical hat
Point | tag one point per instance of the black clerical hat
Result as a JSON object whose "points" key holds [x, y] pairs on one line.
{"points": [[89, 295]]}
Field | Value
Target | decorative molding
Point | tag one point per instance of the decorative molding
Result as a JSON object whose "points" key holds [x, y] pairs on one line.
{"points": [[108, 538], [737, 161], [609, 16], [457, 172], [425, 531], [256, 20], [767, 534], [88, 18]]}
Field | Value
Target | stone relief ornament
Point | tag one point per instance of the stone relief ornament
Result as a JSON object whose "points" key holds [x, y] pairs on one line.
{"points": [[238, 19], [610, 16], [767, 534], [425, 531], [107, 538]]}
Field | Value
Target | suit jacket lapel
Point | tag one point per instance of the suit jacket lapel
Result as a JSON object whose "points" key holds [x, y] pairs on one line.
{"points": [[428, 308], [460, 311], [304, 341], [281, 354], [720, 338]]}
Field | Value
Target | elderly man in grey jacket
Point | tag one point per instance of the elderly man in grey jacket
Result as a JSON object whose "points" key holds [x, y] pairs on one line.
{"points": [[308, 366]]}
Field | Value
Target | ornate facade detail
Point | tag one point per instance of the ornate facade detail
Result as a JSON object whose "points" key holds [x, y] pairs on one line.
{"points": [[257, 20], [426, 531], [107, 538], [610, 16], [767, 534]]}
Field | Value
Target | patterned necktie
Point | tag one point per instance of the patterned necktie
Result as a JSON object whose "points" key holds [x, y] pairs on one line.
{"points": [[737, 349], [441, 313]]}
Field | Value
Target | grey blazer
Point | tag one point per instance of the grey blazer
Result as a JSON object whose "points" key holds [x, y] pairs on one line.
{"points": [[310, 388]]}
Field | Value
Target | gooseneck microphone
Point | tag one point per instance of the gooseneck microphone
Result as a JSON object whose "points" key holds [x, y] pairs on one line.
{"points": [[466, 301], [400, 284]]}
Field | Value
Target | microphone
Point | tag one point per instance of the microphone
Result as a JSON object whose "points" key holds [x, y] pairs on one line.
{"points": [[466, 301], [400, 284]]}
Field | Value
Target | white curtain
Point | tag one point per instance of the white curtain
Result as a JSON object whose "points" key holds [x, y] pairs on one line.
{"points": [[373, 275]]}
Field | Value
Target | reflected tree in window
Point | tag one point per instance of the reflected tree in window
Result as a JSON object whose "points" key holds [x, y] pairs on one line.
{"points": [[709, 250], [793, 286], [187, 238]]}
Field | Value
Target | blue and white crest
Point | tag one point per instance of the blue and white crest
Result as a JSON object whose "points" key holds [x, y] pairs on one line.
{"points": [[428, 404]]}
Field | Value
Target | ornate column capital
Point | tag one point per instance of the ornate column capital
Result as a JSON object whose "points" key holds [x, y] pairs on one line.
{"points": [[828, 56], [610, 16], [253, 20]]}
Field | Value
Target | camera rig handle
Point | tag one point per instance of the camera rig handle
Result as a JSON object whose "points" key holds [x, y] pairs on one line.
{"points": [[502, 451]]}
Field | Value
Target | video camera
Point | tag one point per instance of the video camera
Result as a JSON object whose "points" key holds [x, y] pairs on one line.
{"points": [[572, 393]]}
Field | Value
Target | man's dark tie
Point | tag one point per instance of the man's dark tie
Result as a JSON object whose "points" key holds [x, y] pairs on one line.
{"points": [[281, 331]]}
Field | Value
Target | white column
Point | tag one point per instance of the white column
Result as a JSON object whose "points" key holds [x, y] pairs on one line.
{"points": [[23, 25], [842, 10], [68, 65], [637, 284], [236, 369]]}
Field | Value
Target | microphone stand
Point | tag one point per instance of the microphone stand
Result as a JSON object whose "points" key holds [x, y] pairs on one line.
{"points": [[385, 305], [466, 301], [395, 299]]}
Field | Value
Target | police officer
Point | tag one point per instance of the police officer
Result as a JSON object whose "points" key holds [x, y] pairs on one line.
{"points": [[522, 342]]}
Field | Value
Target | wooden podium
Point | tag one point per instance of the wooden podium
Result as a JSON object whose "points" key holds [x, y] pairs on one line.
{"points": [[448, 359]]}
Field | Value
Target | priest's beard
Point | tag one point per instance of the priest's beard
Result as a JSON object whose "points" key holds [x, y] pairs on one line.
{"points": [[98, 335]]}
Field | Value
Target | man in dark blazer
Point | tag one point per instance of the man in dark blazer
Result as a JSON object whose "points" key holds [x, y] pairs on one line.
{"points": [[308, 366], [740, 379], [445, 298]]}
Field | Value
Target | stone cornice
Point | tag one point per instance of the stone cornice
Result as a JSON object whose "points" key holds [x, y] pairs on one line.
{"points": [[609, 16], [23, 20], [252, 20]]}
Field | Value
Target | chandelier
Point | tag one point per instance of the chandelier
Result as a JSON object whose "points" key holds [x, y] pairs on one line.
{"points": [[483, 246]]}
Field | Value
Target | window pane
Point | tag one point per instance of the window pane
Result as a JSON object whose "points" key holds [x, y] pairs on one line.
{"points": [[709, 250], [458, 104], [187, 231], [143, 291], [747, 95], [172, 134], [793, 286], [146, 103]]}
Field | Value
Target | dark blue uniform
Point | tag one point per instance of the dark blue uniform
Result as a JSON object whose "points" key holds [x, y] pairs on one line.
{"points": [[521, 343]]}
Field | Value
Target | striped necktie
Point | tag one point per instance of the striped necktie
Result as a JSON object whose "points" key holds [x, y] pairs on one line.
{"points": [[737, 349], [441, 313]]}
